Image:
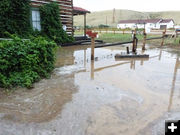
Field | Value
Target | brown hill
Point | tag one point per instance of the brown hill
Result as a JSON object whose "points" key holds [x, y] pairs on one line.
{"points": [[106, 17]]}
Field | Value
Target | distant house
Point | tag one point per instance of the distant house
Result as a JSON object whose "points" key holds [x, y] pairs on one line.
{"points": [[67, 11], [147, 23], [167, 23]]}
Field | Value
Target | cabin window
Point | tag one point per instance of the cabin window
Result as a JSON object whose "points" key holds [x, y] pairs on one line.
{"points": [[36, 24]]}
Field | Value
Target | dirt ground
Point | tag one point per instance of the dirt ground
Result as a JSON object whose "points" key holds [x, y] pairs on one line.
{"points": [[106, 97]]}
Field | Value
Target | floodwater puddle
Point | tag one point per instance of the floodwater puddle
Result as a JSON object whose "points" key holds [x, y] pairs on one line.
{"points": [[106, 97]]}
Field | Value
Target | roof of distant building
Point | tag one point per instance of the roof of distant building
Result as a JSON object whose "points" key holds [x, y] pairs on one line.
{"points": [[144, 21], [166, 20]]}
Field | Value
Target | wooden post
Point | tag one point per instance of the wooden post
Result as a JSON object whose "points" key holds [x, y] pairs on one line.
{"points": [[127, 48], [163, 37], [133, 48], [92, 47], [85, 25], [123, 31], [134, 42], [144, 41], [93, 36]]}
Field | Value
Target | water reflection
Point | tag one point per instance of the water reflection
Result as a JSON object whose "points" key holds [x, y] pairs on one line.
{"points": [[92, 70], [132, 63], [176, 67], [123, 61], [81, 56]]}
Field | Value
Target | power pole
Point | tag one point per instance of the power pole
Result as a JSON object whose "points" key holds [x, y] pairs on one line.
{"points": [[106, 20], [114, 16]]}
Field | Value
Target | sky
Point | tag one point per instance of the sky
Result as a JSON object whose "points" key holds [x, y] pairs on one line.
{"points": [[137, 5]]}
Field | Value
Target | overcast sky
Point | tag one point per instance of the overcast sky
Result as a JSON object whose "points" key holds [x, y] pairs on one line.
{"points": [[138, 5]]}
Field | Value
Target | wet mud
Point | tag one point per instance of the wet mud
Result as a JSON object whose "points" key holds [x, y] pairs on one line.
{"points": [[106, 97]]}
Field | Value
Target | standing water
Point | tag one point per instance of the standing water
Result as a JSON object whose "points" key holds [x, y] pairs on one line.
{"points": [[106, 97]]}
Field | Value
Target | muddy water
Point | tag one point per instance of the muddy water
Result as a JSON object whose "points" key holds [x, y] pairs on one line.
{"points": [[106, 97]]}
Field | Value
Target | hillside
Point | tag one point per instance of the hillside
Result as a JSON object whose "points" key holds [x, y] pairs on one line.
{"points": [[96, 18], [175, 15]]}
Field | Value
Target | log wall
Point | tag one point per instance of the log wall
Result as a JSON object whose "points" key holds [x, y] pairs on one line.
{"points": [[66, 11]]}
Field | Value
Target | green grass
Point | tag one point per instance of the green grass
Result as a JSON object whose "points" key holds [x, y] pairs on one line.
{"points": [[78, 32], [172, 41], [112, 38]]}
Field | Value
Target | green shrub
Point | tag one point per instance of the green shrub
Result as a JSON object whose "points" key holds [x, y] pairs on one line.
{"points": [[23, 62], [51, 24], [15, 17], [103, 26]]}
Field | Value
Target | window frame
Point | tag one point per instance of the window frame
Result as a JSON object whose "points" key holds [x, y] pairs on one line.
{"points": [[31, 19]]}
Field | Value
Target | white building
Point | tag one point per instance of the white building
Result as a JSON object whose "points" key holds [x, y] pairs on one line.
{"points": [[167, 23], [147, 23]]}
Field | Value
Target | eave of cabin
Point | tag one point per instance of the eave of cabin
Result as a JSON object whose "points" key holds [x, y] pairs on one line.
{"points": [[79, 11]]}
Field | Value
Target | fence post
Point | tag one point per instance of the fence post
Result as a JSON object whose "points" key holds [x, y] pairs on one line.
{"points": [[144, 41], [92, 47], [93, 36], [127, 49], [163, 37], [134, 42]]}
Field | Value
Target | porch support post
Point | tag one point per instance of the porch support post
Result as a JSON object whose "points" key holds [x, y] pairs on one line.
{"points": [[85, 25]]}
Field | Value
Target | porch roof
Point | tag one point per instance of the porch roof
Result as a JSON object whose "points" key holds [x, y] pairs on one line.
{"points": [[79, 11]]}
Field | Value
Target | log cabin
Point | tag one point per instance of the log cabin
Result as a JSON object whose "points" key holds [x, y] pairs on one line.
{"points": [[67, 11]]}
